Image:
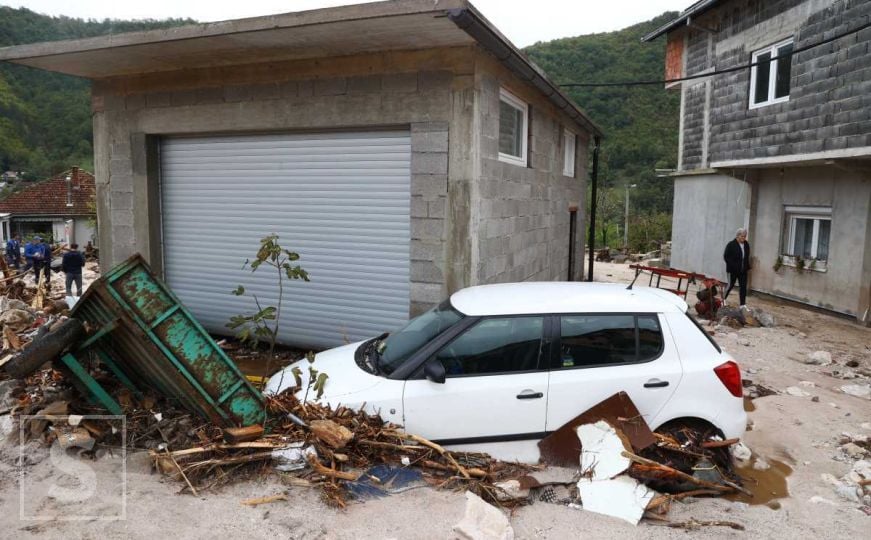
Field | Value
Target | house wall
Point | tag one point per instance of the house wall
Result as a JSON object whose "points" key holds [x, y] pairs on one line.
{"points": [[844, 285], [431, 91], [708, 209], [520, 223], [830, 90]]}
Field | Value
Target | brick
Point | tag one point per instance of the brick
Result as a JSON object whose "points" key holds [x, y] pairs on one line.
{"points": [[120, 166], [429, 163], [428, 293], [436, 209], [122, 183], [427, 229], [429, 185], [122, 236], [419, 207]]}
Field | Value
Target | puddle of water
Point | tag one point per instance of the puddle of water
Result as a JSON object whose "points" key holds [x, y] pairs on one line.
{"points": [[748, 405], [767, 486]]}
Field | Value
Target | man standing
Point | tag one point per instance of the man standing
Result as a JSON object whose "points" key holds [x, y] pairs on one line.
{"points": [[72, 263], [13, 252], [42, 260], [737, 257], [31, 252]]}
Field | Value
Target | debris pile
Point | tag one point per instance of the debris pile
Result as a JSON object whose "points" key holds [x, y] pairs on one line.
{"points": [[739, 317], [855, 486]]}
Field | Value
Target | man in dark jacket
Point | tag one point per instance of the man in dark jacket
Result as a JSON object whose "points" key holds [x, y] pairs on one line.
{"points": [[72, 264], [737, 257], [13, 252]]}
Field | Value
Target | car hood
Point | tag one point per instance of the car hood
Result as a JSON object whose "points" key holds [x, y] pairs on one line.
{"points": [[345, 377]]}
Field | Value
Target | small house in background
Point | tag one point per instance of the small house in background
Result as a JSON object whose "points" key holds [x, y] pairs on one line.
{"points": [[775, 137], [62, 208]]}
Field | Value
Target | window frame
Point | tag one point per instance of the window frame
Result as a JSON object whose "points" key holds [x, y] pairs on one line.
{"points": [[569, 168], [772, 75], [542, 366], [791, 216], [556, 359], [518, 104]]}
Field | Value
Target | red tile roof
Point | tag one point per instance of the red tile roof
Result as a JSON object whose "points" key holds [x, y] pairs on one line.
{"points": [[49, 197]]}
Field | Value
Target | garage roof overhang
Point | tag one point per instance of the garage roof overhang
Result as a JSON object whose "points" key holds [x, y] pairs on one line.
{"points": [[321, 33]]}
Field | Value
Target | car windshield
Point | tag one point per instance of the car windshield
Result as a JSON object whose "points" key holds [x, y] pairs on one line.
{"points": [[399, 346]]}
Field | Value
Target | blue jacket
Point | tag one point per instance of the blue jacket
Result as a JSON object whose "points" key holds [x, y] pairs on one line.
{"points": [[30, 250], [13, 248], [45, 249]]}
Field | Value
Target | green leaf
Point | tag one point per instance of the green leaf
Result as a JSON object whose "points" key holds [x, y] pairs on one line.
{"points": [[297, 376], [239, 291], [320, 383]]}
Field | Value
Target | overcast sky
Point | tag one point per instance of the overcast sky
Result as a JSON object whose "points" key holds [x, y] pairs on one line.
{"points": [[523, 21]]}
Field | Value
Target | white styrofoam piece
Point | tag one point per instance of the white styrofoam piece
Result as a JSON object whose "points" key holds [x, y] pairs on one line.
{"points": [[622, 497], [601, 450]]}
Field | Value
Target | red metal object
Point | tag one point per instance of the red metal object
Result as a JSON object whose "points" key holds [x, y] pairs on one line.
{"points": [[684, 280]]}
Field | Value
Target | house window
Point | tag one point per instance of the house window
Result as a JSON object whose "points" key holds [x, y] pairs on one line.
{"points": [[807, 232], [513, 128], [569, 154], [769, 81]]}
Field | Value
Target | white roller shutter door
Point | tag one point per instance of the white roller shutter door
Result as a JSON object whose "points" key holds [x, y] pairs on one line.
{"points": [[341, 200]]}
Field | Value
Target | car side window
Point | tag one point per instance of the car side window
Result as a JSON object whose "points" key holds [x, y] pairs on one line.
{"points": [[605, 339], [495, 345]]}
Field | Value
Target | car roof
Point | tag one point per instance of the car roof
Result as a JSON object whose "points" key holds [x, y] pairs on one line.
{"points": [[564, 297]]}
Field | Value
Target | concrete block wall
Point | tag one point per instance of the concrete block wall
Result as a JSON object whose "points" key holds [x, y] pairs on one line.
{"points": [[522, 213], [844, 286], [830, 90], [424, 90]]}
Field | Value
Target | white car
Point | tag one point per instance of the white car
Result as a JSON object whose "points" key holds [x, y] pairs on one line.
{"points": [[512, 362]]}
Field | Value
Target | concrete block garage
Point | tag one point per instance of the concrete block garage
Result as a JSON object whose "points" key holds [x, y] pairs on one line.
{"points": [[405, 149]]}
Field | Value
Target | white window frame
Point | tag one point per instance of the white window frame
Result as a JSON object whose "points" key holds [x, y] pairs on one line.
{"points": [[570, 144], [515, 102], [772, 75], [815, 213]]}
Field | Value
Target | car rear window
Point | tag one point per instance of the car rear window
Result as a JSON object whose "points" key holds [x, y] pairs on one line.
{"points": [[605, 339]]}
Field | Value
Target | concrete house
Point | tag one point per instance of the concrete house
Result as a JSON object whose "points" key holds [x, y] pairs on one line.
{"points": [[61, 208], [780, 145], [405, 149]]}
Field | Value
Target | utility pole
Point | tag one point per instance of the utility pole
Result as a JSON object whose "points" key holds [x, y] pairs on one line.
{"points": [[626, 218]]}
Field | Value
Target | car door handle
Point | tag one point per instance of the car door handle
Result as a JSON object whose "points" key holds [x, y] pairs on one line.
{"points": [[655, 383], [529, 394]]}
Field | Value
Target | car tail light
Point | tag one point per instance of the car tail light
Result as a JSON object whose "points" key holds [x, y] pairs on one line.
{"points": [[730, 375]]}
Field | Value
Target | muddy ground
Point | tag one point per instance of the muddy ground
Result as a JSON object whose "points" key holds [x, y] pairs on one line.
{"points": [[801, 431]]}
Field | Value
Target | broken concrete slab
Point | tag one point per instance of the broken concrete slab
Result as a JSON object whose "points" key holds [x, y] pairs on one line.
{"points": [[483, 521], [602, 451], [622, 497]]}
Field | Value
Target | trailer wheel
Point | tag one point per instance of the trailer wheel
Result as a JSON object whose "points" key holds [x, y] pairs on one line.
{"points": [[44, 349]]}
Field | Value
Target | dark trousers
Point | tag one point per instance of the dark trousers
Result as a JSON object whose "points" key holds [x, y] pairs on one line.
{"points": [[741, 278], [77, 279], [44, 267]]}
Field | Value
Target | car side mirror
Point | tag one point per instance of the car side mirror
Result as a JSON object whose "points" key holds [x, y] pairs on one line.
{"points": [[434, 371]]}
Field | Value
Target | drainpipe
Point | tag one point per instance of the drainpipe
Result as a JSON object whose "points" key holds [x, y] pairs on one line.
{"points": [[595, 177]]}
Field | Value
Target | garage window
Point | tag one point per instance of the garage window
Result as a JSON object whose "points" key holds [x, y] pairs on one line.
{"points": [[497, 345], [608, 339], [513, 128]]}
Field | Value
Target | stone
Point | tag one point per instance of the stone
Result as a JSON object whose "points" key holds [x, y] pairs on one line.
{"points": [[848, 493], [853, 450], [483, 521], [858, 390], [18, 320], [816, 499], [796, 391], [761, 465], [510, 489], [819, 358], [766, 319], [744, 342], [740, 452], [807, 384]]}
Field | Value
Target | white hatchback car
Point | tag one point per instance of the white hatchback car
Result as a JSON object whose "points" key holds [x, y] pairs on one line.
{"points": [[513, 362]]}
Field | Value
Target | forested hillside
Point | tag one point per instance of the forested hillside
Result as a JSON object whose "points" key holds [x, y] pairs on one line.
{"points": [[45, 118], [640, 123]]}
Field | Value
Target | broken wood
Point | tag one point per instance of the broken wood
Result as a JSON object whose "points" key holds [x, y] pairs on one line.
{"points": [[181, 472], [675, 472], [693, 524], [331, 433], [243, 434], [332, 473], [11, 339], [444, 453], [720, 444], [477, 473], [265, 500]]}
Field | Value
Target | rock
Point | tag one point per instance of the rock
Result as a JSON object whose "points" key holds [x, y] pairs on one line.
{"points": [[483, 521], [749, 318], [7, 425], [863, 467], [815, 399], [18, 320], [819, 358], [853, 450], [731, 323], [729, 312], [744, 342], [796, 391], [740, 505], [848, 493], [858, 390], [761, 465], [802, 335], [740, 452], [807, 384], [816, 499], [331, 433], [866, 425], [852, 363], [12, 303], [510, 489], [844, 374], [765, 319]]}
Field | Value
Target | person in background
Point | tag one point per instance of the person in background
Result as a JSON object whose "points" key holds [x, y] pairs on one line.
{"points": [[31, 250], [13, 252], [42, 260], [737, 257], [72, 263]]}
